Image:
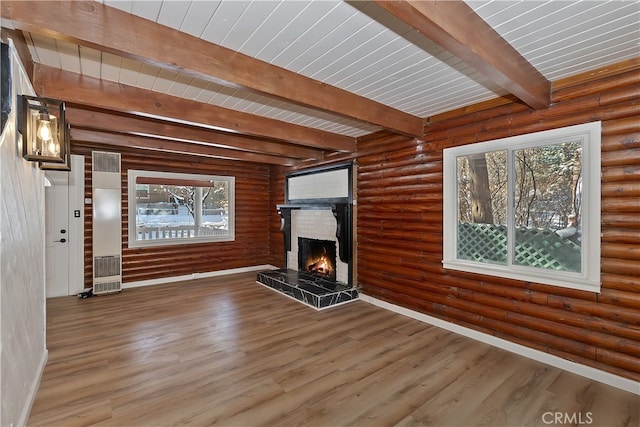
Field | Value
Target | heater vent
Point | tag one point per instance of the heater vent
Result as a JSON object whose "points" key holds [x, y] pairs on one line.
{"points": [[107, 222], [106, 266], [102, 288], [106, 162]]}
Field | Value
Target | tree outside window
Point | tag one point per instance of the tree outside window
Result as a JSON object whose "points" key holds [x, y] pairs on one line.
{"points": [[518, 206]]}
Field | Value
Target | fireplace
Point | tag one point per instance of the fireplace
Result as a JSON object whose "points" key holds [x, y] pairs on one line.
{"points": [[316, 222], [317, 257]]}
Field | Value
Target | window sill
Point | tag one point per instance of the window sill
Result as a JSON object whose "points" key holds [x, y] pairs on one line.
{"points": [[173, 242], [546, 277]]}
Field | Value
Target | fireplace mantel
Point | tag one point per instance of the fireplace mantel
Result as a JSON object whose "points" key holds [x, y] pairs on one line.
{"points": [[341, 211]]}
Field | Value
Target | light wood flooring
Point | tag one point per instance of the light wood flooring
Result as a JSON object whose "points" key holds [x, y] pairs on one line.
{"points": [[229, 351]]}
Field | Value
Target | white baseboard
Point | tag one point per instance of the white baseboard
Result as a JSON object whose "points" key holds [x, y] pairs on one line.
{"points": [[35, 384], [193, 276], [550, 359]]}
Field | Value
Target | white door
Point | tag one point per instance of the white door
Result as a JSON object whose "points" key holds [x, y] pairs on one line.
{"points": [[57, 234]]}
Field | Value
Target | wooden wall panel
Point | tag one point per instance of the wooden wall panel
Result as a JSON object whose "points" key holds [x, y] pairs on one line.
{"points": [[400, 231], [253, 200]]}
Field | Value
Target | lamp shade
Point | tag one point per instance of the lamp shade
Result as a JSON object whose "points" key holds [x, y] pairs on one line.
{"points": [[66, 166], [42, 125]]}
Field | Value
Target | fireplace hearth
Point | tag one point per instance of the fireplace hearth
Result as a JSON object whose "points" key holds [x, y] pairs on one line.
{"points": [[308, 288]]}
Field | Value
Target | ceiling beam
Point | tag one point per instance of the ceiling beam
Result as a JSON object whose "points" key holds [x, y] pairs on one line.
{"points": [[75, 88], [153, 144], [108, 121], [95, 25], [457, 28]]}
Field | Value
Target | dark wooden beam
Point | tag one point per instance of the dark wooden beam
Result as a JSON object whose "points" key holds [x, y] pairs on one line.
{"points": [[155, 144], [95, 25], [110, 121], [457, 28], [75, 88]]}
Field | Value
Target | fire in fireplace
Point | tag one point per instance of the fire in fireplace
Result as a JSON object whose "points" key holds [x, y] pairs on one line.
{"points": [[317, 257]]}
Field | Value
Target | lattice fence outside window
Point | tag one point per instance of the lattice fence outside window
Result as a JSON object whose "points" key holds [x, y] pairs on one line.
{"points": [[541, 248]]}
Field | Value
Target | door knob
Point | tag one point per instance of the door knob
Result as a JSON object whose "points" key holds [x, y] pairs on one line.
{"points": [[63, 231], [61, 240]]}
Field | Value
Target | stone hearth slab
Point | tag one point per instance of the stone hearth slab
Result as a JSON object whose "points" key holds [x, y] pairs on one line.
{"points": [[309, 289]]}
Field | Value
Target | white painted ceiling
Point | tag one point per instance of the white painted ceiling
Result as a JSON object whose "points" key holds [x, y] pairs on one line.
{"points": [[358, 47]]}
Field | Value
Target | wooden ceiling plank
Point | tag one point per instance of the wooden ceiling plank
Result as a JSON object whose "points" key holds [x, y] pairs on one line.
{"points": [[106, 121], [98, 26], [457, 28], [75, 88], [155, 144]]}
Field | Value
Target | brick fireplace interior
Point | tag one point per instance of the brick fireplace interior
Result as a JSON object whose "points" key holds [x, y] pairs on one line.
{"points": [[317, 257]]}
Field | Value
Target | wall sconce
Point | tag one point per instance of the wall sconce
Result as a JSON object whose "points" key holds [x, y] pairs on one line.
{"points": [[66, 166], [41, 123]]}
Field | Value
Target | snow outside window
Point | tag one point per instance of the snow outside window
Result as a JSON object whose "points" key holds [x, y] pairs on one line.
{"points": [[174, 208], [526, 207]]}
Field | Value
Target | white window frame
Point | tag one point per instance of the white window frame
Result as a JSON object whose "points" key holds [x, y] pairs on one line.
{"points": [[132, 232], [589, 278]]}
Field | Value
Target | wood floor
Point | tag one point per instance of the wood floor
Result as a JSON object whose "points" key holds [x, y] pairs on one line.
{"points": [[229, 351]]}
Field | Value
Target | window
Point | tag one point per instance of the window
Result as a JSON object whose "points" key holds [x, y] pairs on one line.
{"points": [[526, 207], [172, 208]]}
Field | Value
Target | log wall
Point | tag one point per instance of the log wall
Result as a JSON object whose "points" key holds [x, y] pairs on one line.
{"points": [[400, 229], [253, 199]]}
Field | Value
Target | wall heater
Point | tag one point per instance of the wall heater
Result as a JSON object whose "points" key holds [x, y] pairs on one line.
{"points": [[107, 222]]}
